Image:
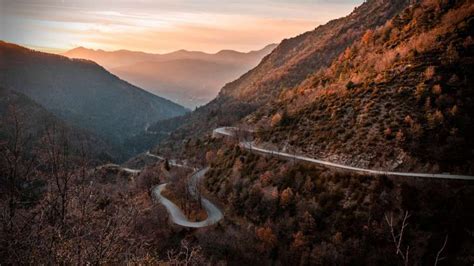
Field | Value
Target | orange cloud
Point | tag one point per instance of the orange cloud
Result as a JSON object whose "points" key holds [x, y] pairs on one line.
{"points": [[163, 25], [243, 35]]}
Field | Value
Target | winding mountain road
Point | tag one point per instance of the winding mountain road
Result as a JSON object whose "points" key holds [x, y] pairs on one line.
{"points": [[128, 170], [214, 215], [171, 162], [229, 132]]}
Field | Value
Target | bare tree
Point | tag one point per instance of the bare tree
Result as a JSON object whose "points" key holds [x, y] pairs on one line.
{"points": [[186, 255], [57, 158], [438, 259], [397, 238], [75, 221], [16, 163]]}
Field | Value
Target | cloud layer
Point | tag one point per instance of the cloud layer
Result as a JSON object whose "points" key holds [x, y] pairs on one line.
{"points": [[163, 25]]}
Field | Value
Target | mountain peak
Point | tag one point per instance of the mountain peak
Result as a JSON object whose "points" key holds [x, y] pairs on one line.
{"points": [[79, 49]]}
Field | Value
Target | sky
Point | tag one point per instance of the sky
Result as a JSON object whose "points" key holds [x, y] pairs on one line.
{"points": [[160, 26]]}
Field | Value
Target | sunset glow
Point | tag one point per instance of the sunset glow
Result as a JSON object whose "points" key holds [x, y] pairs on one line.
{"points": [[162, 26]]}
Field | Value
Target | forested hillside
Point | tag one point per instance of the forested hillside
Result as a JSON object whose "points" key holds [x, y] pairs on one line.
{"points": [[401, 97], [82, 93]]}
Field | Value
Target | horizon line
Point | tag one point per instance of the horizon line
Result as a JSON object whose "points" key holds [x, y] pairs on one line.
{"points": [[154, 53]]}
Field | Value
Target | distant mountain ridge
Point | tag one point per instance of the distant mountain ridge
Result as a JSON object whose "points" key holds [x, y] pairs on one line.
{"points": [[189, 78], [120, 58], [83, 93]]}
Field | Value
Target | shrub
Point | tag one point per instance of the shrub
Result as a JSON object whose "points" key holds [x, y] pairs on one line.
{"points": [[266, 177], [423, 42], [347, 53], [368, 37], [454, 110], [468, 42], [400, 136], [416, 130], [386, 61], [451, 54], [276, 119], [350, 85], [210, 156], [286, 196], [436, 89], [427, 105], [266, 235], [453, 80], [299, 240], [420, 91], [430, 72], [435, 119], [409, 120]]}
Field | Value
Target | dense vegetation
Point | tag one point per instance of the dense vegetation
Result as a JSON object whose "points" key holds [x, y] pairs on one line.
{"points": [[300, 214]]}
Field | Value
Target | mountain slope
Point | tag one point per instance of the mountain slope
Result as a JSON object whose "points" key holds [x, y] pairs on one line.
{"points": [[287, 66], [297, 57], [189, 78], [34, 120], [399, 98], [393, 97], [83, 93]]}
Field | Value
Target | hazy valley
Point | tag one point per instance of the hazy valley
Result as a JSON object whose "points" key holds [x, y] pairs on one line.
{"points": [[189, 78]]}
